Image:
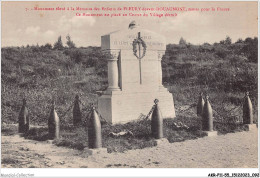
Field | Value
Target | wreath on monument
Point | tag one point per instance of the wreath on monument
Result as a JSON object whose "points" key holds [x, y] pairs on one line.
{"points": [[139, 41]]}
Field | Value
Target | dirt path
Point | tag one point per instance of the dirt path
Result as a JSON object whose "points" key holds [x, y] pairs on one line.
{"points": [[231, 150]]}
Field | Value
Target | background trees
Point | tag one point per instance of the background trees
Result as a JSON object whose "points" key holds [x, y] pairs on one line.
{"points": [[58, 45], [70, 43]]}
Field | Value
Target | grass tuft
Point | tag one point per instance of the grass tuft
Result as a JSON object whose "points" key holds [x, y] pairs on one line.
{"points": [[9, 160]]}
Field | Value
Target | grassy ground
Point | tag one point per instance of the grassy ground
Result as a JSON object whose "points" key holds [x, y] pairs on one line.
{"points": [[77, 137]]}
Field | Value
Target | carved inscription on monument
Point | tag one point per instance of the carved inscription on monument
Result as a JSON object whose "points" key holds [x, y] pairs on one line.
{"points": [[130, 38]]}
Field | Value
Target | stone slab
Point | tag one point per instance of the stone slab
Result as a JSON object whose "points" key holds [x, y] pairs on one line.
{"points": [[251, 127], [161, 142], [95, 151], [211, 133]]}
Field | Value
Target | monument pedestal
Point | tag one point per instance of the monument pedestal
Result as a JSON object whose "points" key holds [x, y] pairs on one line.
{"points": [[122, 107]]}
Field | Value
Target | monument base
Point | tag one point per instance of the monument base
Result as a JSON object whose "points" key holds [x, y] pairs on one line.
{"points": [[211, 133], [161, 142], [95, 151], [251, 127], [122, 107]]}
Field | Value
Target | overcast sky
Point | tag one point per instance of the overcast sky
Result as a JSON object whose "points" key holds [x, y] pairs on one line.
{"points": [[21, 27]]}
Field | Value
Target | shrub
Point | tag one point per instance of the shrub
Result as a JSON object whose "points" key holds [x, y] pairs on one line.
{"points": [[58, 44], [221, 51]]}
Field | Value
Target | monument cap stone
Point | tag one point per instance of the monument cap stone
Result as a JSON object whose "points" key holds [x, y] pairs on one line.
{"points": [[123, 39]]}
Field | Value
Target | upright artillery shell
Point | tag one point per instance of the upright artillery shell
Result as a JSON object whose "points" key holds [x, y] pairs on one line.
{"points": [[54, 124], [207, 117], [76, 111], [157, 122], [247, 110], [200, 105], [94, 131], [23, 119]]}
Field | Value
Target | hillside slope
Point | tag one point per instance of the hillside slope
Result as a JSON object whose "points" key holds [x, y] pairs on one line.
{"points": [[224, 70]]}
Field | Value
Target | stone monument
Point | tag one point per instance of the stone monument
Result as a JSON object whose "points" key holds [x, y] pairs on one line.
{"points": [[134, 75]]}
